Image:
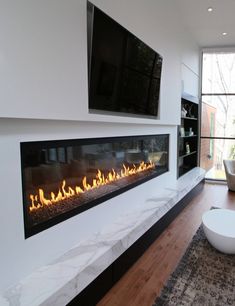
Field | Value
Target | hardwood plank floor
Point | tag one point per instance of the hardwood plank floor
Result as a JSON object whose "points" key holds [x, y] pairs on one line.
{"points": [[145, 279]]}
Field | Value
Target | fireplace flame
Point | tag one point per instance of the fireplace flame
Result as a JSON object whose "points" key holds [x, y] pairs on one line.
{"points": [[39, 200]]}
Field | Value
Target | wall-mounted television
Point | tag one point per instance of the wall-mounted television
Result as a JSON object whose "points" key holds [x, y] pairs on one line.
{"points": [[124, 73]]}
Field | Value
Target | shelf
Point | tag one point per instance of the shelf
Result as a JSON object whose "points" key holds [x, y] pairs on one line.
{"points": [[189, 118], [188, 136], [189, 122], [190, 98], [191, 153]]}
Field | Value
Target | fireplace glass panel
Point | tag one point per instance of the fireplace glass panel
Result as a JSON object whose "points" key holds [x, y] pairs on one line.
{"points": [[63, 178]]}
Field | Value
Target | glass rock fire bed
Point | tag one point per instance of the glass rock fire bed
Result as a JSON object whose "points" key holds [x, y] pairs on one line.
{"points": [[62, 178]]}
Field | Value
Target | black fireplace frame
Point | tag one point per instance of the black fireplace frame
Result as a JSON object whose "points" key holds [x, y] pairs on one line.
{"points": [[24, 146]]}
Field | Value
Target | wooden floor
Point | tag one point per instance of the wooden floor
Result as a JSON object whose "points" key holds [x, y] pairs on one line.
{"points": [[145, 279]]}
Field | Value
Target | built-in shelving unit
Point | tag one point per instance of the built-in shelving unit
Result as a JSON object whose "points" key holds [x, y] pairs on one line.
{"points": [[188, 135], [188, 154], [188, 118]]}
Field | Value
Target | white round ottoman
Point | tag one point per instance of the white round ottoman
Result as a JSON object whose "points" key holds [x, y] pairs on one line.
{"points": [[219, 228]]}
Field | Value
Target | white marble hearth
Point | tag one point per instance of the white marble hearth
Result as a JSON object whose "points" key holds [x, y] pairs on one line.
{"points": [[59, 282]]}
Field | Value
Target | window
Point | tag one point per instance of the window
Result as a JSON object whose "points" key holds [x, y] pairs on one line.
{"points": [[212, 135], [217, 112]]}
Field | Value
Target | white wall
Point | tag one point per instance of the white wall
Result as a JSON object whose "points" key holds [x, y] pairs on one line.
{"points": [[20, 256], [190, 67], [43, 75], [190, 81], [43, 63]]}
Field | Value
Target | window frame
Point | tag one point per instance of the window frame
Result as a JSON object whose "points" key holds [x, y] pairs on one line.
{"points": [[212, 51]]}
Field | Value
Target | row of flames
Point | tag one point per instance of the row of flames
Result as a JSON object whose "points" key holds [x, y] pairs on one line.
{"points": [[38, 201]]}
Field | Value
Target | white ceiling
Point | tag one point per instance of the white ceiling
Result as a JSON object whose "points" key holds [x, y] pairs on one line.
{"points": [[207, 28]]}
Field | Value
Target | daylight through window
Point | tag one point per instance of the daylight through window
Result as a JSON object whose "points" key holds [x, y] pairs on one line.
{"points": [[217, 112]]}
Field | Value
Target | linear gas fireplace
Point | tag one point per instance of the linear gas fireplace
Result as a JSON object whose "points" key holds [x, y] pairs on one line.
{"points": [[63, 178]]}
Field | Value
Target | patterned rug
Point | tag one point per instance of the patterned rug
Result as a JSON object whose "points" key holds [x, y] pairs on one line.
{"points": [[204, 276]]}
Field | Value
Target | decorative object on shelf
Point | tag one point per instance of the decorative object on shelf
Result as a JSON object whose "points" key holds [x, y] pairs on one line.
{"points": [[188, 108], [187, 148], [191, 133], [190, 111], [183, 112], [182, 132]]}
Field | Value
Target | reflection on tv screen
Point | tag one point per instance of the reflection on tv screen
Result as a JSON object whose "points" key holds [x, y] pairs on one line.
{"points": [[124, 73]]}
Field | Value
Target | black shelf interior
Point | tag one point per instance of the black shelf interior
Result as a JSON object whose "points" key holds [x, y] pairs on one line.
{"points": [[189, 118], [187, 154], [187, 161], [188, 136]]}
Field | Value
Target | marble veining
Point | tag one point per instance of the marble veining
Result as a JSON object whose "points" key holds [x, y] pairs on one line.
{"points": [[59, 282]]}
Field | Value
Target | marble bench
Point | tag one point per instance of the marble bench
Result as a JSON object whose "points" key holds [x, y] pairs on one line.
{"points": [[59, 282]]}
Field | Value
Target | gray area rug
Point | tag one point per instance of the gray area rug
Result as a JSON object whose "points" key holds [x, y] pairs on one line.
{"points": [[204, 276]]}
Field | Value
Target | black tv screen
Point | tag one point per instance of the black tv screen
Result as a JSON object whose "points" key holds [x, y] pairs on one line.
{"points": [[124, 73]]}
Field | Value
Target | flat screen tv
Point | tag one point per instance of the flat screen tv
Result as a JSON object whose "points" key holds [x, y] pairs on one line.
{"points": [[124, 73]]}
